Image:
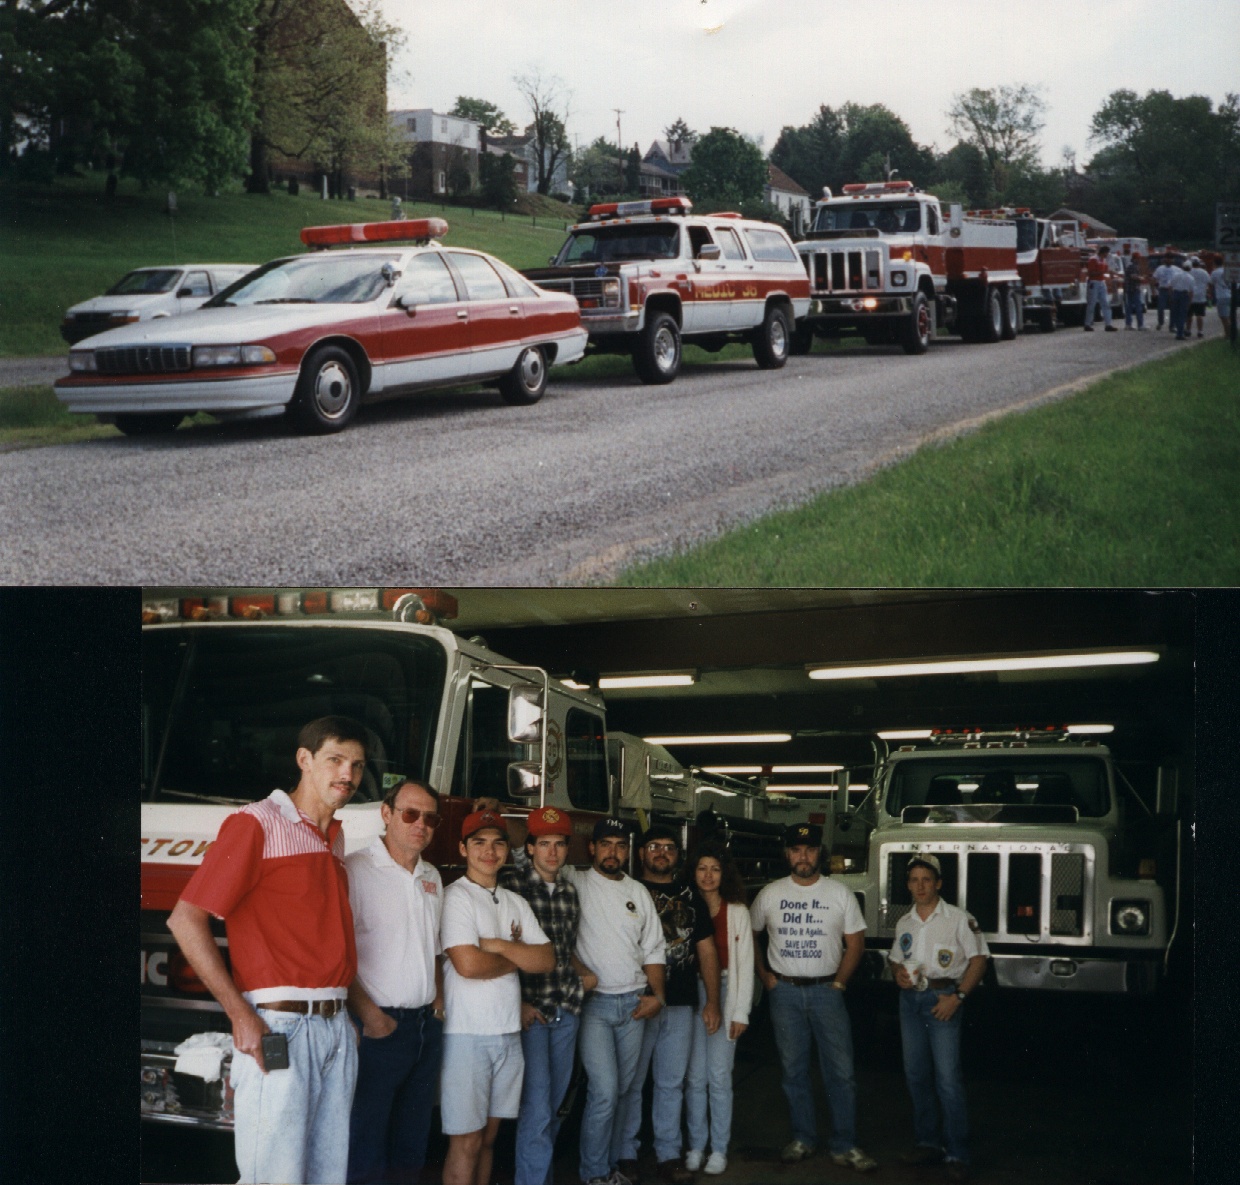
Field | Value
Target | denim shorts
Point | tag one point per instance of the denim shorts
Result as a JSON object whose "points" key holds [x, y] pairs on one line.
{"points": [[480, 1080]]}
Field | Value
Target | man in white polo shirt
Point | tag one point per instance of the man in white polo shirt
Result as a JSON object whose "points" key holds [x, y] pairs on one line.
{"points": [[489, 934], [815, 939], [938, 958], [397, 997]]}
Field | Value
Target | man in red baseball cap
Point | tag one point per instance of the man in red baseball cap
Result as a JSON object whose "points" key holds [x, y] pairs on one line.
{"points": [[550, 1001]]}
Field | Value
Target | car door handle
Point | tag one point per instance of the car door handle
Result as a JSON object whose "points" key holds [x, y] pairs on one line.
{"points": [[514, 310], [462, 314]]}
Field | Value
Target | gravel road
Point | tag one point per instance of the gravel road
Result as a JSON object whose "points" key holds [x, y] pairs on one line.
{"points": [[458, 488]]}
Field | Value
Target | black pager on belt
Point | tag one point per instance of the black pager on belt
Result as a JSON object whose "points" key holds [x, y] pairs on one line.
{"points": [[275, 1051]]}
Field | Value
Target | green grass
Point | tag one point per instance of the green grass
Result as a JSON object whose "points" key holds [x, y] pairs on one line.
{"points": [[32, 417], [67, 242], [1134, 481]]}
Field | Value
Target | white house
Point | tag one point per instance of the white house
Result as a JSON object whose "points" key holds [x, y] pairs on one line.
{"points": [[439, 144]]}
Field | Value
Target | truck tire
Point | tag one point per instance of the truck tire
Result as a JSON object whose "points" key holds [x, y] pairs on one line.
{"points": [[328, 393], [1013, 314], [802, 341], [990, 328], [656, 353], [915, 333], [148, 423], [527, 380], [771, 339]]}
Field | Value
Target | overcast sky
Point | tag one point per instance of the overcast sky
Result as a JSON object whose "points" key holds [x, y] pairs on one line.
{"points": [[758, 65]]}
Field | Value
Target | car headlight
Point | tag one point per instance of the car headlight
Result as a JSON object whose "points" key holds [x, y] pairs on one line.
{"points": [[899, 279], [82, 360], [232, 355], [1130, 917], [123, 318]]}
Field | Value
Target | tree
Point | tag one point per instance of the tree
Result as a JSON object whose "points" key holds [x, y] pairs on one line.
{"points": [[497, 176], [680, 133], [633, 170], [1003, 123], [490, 119], [596, 169], [727, 170], [549, 106], [1164, 162]]}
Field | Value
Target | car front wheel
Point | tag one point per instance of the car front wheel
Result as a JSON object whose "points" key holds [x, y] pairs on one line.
{"points": [[656, 353], [527, 380], [918, 327], [328, 393], [771, 341]]}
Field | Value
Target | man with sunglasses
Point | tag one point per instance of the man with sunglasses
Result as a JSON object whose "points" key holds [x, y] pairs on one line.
{"points": [[397, 998]]}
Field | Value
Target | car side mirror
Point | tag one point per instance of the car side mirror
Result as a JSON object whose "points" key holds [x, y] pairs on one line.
{"points": [[709, 251], [551, 261], [407, 301], [186, 292]]}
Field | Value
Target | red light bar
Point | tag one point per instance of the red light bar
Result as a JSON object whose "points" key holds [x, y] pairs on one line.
{"points": [[668, 205], [252, 607], [406, 230], [440, 603], [725, 214], [879, 187]]}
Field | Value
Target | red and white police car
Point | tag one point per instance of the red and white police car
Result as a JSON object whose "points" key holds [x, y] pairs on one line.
{"points": [[319, 334], [650, 273]]}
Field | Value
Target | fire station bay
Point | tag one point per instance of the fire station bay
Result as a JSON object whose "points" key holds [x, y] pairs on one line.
{"points": [[1030, 753]]}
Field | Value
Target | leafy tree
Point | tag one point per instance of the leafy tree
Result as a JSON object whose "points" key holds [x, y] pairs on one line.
{"points": [[1003, 123], [1164, 162], [489, 118], [497, 176], [680, 132], [549, 106], [727, 170], [596, 169], [964, 168], [633, 170]]}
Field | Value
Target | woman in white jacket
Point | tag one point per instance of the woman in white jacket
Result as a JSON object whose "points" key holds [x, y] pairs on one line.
{"points": [[709, 1081]]}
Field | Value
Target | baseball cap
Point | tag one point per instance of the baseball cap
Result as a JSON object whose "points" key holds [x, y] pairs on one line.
{"points": [[803, 833], [609, 827], [928, 860], [658, 831], [482, 819], [547, 820]]}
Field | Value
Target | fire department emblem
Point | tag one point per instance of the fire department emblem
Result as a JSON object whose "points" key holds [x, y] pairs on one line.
{"points": [[551, 815], [906, 942], [600, 270], [555, 750], [945, 958]]}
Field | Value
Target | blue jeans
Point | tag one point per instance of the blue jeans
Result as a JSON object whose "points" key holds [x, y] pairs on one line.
{"points": [[548, 1053], [710, 1080], [1179, 312], [932, 1067], [1134, 306], [1096, 293], [293, 1125], [796, 1012], [397, 1077], [611, 1043], [1164, 302], [665, 1046]]}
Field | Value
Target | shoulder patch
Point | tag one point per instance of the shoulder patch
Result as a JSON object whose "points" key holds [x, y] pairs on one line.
{"points": [[906, 942]]}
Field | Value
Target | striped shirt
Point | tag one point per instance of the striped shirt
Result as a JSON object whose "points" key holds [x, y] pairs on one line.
{"points": [[558, 914]]}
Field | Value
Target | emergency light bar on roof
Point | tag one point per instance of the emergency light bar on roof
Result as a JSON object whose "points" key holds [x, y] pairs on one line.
{"points": [[668, 205], [423, 605], [409, 230], [862, 187]]}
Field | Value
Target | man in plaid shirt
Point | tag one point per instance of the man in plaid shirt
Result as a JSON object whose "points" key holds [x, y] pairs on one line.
{"points": [[550, 1000]]}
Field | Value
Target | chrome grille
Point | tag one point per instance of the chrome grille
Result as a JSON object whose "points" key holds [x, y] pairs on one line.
{"points": [[846, 271], [591, 287], [142, 359]]}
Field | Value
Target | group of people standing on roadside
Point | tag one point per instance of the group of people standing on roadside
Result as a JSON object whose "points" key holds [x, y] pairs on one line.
{"points": [[360, 990]]}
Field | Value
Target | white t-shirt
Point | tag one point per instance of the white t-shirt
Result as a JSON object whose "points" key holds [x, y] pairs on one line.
{"points": [[1201, 280], [619, 932], [1222, 289], [806, 925], [396, 915], [1181, 281], [484, 1007], [1162, 275], [943, 944]]}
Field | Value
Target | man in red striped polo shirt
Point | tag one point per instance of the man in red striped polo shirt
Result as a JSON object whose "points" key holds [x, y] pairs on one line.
{"points": [[276, 875]]}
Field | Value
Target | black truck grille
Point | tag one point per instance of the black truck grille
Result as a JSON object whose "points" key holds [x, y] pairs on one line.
{"points": [[142, 359], [846, 271]]}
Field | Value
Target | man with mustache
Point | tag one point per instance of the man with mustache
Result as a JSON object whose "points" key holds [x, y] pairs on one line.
{"points": [[276, 875], [815, 939]]}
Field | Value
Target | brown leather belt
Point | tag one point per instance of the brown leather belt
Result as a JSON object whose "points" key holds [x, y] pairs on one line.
{"points": [[324, 1008], [804, 980]]}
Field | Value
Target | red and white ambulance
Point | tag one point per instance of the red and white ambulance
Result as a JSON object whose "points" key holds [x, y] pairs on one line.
{"points": [[650, 274]]}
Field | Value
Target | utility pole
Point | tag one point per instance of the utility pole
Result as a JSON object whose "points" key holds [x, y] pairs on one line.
{"points": [[619, 150]]}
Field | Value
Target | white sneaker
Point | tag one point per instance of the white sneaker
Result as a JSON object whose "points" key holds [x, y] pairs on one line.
{"points": [[716, 1163], [856, 1159], [693, 1160]]}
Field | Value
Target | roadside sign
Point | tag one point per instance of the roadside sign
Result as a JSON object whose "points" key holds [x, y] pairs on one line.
{"points": [[1227, 226], [1231, 267]]}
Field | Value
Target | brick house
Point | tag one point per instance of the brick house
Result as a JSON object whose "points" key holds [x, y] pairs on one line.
{"points": [[443, 150]]}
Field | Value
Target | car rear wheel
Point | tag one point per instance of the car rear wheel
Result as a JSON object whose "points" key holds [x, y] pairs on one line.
{"points": [[918, 328], [328, 393], [992, 316], [656, 353], [525, 383], [149, 423], [1013, 314], [771, 339]]}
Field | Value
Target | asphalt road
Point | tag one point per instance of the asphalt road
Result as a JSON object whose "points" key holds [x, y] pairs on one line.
{"points": [[458, 488]]}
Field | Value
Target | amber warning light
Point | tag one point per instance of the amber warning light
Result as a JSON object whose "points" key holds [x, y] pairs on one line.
{"points": [[420, 230]]}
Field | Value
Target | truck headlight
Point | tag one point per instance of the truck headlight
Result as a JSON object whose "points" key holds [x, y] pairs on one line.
{"points": [[1130, 917], [899, 279], [82, 360]]}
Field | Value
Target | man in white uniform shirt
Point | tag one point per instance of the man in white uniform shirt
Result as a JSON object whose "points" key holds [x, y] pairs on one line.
{"points": [[815, 939], [397, 997], [938, 958], [621, 940], [488, 935]]}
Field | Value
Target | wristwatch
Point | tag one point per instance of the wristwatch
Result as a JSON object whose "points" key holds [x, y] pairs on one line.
{"points": [[961, 996]]}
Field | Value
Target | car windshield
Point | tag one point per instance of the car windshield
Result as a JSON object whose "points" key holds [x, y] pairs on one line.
{"points": [[146, 283], [1031, 781], [606, 244], [885, 217], [310, 279]]}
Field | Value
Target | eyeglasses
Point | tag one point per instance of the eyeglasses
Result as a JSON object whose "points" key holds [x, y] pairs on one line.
{"points": [[411, 815], [660, 847]]}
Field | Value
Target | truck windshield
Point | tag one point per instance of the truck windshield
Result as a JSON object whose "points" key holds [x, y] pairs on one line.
{"points": [[222, 707], [886, 217], [1032, 781], [1026, 234], [609, 243]]}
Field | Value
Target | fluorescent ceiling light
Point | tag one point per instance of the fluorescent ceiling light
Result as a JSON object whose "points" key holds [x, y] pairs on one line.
{"points": [[967, 666], [572, 683], [825, 788], [906, 734], [613, 682], [774, 769], [737, 738], [717, 790], [1090, 729]]}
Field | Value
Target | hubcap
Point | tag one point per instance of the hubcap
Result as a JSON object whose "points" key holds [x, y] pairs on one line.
{"points": [[332, 389], [665, 349], [923, 322], [531, 369], [779, 337]]}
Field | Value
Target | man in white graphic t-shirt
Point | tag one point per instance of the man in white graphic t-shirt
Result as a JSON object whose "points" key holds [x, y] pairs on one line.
{"points": [[814, 941], [488, 935]]}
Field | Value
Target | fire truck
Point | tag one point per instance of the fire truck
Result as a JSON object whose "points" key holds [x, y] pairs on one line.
{"points": [[886, 261], [1071, 873], [228, 681], [650, 274]]}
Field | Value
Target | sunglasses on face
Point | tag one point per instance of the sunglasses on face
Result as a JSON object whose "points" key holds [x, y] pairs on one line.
{"points": [[411, 815], [660, 847]]}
